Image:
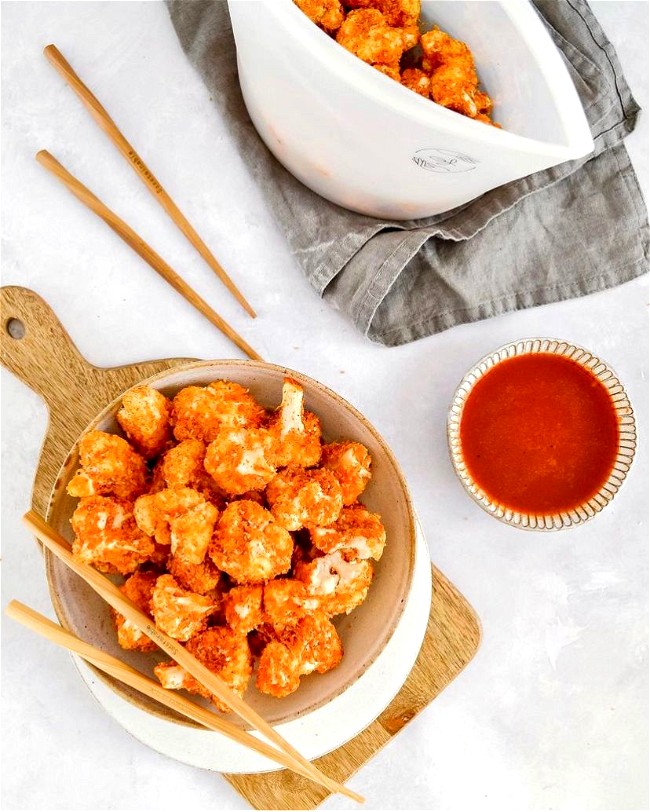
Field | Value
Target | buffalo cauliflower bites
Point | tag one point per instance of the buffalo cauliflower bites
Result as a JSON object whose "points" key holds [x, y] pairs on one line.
{"points": [[238, 460], [296, 433], [237, 528], [145, 419], [301, 497], [109, 467], [179, 613], [107, 536], [328, 14], [139, 589], [350, 464], [311, 644], [224, 651], [249, 545], [356, 532], [200, 413], [385, 33]]}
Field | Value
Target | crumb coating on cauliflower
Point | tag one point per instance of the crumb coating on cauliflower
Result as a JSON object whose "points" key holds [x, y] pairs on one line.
{"points": [[328, 14], [179, 613], [417, 80], [221, 649], [200, 413], [299, 497], [109, 467], [191, 532], [357, 532], [338, 584], [203, 578], [285, 602], [249, 545], [296, 433], [350, 463], [139, 589], [398, 13], [107, 536], [242, 607], [155, 513], [145, 419], [311, 644], [238, 460], [368, 35]]}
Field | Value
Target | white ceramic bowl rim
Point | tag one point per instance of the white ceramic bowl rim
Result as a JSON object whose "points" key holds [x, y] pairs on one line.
{"points": [[627, 434]]}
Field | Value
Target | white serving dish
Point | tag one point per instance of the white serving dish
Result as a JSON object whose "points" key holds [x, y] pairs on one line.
{"points": [[365, 142], [313, 734]]}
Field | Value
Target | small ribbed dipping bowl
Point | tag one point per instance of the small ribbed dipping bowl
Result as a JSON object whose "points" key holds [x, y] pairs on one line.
{"points": [[626, 445]]}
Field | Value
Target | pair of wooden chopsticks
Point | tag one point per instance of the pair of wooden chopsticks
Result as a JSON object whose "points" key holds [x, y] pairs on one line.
{"points": [[123, 230], [283, 752]]}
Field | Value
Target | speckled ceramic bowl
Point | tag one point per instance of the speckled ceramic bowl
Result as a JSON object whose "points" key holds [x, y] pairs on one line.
{"points": [[365, 632], [626, 444]]}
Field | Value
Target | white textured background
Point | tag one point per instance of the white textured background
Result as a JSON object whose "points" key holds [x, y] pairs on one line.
{"points": [[553, 711]]}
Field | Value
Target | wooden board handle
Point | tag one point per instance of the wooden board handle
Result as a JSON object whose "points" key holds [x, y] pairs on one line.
{"points": [[37, 349]]}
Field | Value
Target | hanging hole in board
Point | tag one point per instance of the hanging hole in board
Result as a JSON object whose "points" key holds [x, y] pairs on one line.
{"points": [[15, 328]]}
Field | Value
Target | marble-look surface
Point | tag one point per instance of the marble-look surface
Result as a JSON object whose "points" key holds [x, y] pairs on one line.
{"points": [[553, 711]]}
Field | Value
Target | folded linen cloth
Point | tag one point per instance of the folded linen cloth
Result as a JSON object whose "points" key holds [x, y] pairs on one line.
{"points": [[567, 231]]}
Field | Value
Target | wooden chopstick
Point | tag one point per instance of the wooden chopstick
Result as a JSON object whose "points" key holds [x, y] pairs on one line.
{"points": [[130, 676], [147, 253], [112, 595], [111, 129]]}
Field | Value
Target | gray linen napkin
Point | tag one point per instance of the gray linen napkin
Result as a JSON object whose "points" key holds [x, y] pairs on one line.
{"points": [[567, 231]]}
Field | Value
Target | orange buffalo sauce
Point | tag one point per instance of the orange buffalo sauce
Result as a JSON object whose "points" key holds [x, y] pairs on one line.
{"points": [[539, 434]]}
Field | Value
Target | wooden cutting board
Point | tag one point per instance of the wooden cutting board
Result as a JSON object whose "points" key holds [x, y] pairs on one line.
{"points": [[37, 349]]}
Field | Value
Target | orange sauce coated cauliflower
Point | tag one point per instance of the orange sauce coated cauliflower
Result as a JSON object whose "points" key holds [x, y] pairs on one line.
{"points": [[299, 498], [221, 649], [200, 413], [201, 522], [145, 419], [109, 467], [249, 545], [139, 589], [179, 613], [107, 536]]}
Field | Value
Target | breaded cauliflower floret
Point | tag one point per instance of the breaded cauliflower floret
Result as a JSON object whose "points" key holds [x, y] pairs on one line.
{"points": [[350, 463], [286, 601], [249, 545], [177, 612], [357, 532], [300, 497], [367, 34], [242, 607], [312, 644], [155, 512], [107, 537], [400, 13], [418, 81], [339, 585], [199, 413], [109, 467], [182, 466], [203, 578], [224, 651], [454, 83], [296, 432], [138, 588], [145, 419], [328, 14], [191, 532], [239, 460]]}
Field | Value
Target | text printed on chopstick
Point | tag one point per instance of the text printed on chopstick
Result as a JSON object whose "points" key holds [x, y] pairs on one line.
{"points": [[137, 161]]}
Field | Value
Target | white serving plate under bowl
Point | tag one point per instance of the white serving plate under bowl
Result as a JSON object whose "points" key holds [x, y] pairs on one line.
{"points": [[313, 734], [627, 434], [364, 632]]}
